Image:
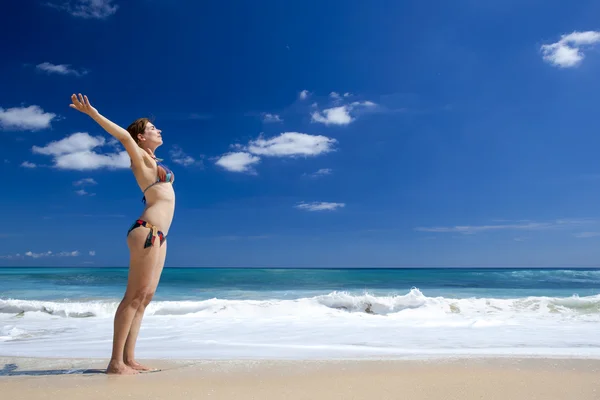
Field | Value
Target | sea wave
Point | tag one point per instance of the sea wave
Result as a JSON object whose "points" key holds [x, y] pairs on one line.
{"points": [[413, 304]]}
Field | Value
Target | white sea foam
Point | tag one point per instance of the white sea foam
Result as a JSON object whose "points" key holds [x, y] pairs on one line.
{"points": [[413, 304], [337, 324]]}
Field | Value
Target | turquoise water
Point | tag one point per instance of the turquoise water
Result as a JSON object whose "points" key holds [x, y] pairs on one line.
{"points": [[245, 283], [307, 313]]}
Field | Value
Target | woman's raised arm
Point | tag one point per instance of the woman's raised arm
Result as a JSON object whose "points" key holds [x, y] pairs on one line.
{"points": [[83, 105]]}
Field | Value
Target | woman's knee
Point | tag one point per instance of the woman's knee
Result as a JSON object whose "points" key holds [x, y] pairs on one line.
{"points": [[148, 298], [140, 297]]}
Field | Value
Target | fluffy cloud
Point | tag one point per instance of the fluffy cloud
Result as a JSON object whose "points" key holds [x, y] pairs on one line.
{"points": [[30, 118], [566, 53], [61, 69], [340, 115], [85, 181], [333, 116], [77, 152], [271, 118], [291, 144], [90, 9], [303, 95], [38, 255], [287, 144], [68, 254], [92, 253], [27, 164], [319, 206], [238, 161], [179, 157]]}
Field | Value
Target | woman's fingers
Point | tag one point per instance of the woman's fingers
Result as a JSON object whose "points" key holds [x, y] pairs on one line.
{"points": [[75, 101], [81, 103]]}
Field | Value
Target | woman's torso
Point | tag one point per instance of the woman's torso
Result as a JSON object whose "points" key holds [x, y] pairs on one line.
{"points": [[159, 196]]}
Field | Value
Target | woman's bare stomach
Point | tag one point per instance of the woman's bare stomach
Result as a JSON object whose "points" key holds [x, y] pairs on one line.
{"points": [[160, 206]]}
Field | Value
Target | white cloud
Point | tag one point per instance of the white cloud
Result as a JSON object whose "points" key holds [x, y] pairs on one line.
{"points": [[287, 144], [61, 69], [92, 253], [585, 235], [77, 152], [271, 118], [321, 172], [335, 95], [567, 52], [179, 157], [341, 115], [94, 9], [38, 255], [238, 161], [30, 118], [520, 226], [89, 160], [82, 192], [303, 95], [75, 143], [363, 104], [333, 116], [47, 254], [85, 181], [27, 164], [319, 206], [68, 254], [291, 144], [42, 255]]}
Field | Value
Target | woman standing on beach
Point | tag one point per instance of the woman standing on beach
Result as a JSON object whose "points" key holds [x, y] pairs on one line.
{"points": [[147, 236]]}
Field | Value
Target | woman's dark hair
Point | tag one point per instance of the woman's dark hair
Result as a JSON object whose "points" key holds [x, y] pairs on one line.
{"points": [[138, 126]]}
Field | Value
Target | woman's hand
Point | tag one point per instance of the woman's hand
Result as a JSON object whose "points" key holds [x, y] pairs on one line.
{"points": [[83, 104]]}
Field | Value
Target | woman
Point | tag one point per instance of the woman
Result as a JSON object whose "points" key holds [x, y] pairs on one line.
{"points": [[146, 238]]}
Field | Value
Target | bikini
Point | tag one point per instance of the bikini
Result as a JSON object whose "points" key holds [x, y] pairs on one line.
{"points": [[164, 175]]}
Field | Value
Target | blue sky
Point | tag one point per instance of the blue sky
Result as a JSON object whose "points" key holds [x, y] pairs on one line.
{"points": [[307, 134]]}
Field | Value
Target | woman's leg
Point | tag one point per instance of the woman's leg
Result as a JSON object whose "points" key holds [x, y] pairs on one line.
{"points": [[129, 351], [139, 288]]}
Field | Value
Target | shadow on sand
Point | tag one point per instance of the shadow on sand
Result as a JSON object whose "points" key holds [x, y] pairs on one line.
{"points": [[13, 370]]}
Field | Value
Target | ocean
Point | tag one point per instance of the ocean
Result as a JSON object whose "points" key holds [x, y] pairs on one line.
{"points": [[247, 313]]}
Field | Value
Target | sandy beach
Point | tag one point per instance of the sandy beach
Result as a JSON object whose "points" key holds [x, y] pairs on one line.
{"points": [[472, 378]]}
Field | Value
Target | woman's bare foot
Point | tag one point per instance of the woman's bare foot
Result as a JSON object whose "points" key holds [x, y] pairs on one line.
{"points": [[120, 368], [137, 366]]}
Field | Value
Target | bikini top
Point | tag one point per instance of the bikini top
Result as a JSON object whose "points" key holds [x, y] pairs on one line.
{"points": [[164, 174]]}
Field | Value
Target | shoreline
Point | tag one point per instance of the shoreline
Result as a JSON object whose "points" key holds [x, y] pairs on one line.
{"points": [[448, 378]]}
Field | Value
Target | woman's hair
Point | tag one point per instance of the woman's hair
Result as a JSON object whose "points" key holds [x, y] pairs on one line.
{"points": [[138, 126]]}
